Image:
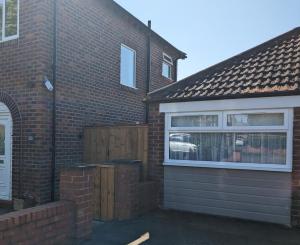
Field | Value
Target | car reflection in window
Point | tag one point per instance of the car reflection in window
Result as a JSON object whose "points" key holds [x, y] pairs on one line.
{"points": [[180, 148]]}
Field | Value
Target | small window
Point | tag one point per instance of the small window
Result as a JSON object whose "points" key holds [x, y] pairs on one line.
{"points": [[9, 18], [167, 66], [128, 66], [195, 121], [255, 119]]}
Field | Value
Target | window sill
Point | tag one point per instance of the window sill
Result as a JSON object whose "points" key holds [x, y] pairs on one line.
{"points": [[9, 41], [130, 89], [168, 79], [261, 167]]}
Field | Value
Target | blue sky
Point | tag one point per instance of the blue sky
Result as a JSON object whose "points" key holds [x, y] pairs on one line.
{"points": [[210, 31]]}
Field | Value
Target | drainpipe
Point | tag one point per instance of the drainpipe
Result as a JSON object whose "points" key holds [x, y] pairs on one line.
{"points": [[176, 70], [148, 81], [53, 162]]}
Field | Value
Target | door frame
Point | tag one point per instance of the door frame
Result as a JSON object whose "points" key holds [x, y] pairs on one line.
{"points": [[5, 115]]}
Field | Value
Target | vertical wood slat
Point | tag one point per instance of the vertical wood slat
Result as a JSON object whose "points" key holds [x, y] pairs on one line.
{"points": [[110, 193], [122, 142], [97, 194], [104, 194]]}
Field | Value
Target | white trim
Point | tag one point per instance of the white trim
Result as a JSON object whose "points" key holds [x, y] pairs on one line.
{"points": [[215, 113], [5, 117], [233, 104], [134, 70], [283, 111], [228, 165], [166, 60], [5, 39], [286, 128]]}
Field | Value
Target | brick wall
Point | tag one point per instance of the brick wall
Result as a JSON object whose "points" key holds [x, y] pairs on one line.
{"points": [[156, 146], [296, 170], [47, 224], [88, 87], [27, 60], [62, 222], [77, 185], [88, 75]]}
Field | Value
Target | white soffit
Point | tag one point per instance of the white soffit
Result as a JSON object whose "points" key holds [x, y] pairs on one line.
{"points": [[232, 104]]}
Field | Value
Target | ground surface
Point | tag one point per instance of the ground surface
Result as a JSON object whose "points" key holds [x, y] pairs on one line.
{"points": [[176, 228]]}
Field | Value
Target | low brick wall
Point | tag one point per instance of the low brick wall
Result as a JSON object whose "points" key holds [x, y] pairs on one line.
{"points": [[47, 224], [133, 197], [63, 222]]}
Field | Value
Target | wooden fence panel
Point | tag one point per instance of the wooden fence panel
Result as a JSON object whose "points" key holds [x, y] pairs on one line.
{"points": [[117, 142]]}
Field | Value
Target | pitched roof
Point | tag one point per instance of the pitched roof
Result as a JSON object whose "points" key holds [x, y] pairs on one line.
{"points": [[270, 69], [116, 6]]}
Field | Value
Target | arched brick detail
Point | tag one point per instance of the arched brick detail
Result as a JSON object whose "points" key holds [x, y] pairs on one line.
{"points": [[16, 143]]}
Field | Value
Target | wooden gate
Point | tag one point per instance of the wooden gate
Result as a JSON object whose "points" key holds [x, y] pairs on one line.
{"points": [[116, 142], [104, 201]]}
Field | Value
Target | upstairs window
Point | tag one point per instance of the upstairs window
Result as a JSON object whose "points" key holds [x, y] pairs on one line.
{"points": [[167, 66], [128, 66], [9, 19]]}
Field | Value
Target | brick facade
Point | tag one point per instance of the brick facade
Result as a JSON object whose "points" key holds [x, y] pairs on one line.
{"points": [[88, 83], [89, 89], [27, 60]]}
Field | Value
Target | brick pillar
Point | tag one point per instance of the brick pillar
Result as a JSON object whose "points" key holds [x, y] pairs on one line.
{"points": [[296, 170], [77, 185], [156, 148], [126, 191]]}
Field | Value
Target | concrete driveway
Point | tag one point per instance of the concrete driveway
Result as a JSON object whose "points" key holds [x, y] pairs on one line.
{"points": [[170, 227]]}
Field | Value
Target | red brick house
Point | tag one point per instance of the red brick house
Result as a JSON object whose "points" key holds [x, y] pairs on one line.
{"points": [[67, 64], [226, 140]]}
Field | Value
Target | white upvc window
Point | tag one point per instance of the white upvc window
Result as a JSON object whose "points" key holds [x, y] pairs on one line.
{"points": [[241, 139], [9, 20], [167, 66], [128, 66]]}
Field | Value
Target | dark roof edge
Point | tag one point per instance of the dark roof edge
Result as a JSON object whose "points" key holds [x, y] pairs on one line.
{"points": [[240, 96], [239, 56], [182, 54]]}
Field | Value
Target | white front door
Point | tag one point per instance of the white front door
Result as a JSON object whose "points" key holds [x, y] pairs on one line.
{"points": [[5, 156]]}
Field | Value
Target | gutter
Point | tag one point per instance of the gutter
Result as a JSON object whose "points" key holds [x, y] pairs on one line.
{"points": [[54, 64], [148, 81]]}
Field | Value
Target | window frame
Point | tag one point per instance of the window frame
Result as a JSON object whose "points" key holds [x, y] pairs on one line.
{"points": [[5, 39], [134, 63], [169, 63], [223, 128]]}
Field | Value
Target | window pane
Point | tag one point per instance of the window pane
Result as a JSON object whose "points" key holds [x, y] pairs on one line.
{"points": [[127, 66], [1, 18], [11, 18], [195, 121], [267, 148], [2, 140], [262, 119], [166, 70]]}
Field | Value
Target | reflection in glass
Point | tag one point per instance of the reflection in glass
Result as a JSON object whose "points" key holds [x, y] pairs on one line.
{"points": [[267, 148], [195, 121], [11, 18], [262, 119]]}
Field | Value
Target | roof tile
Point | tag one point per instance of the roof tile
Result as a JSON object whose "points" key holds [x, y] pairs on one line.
{"points": [[270, 68]]}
